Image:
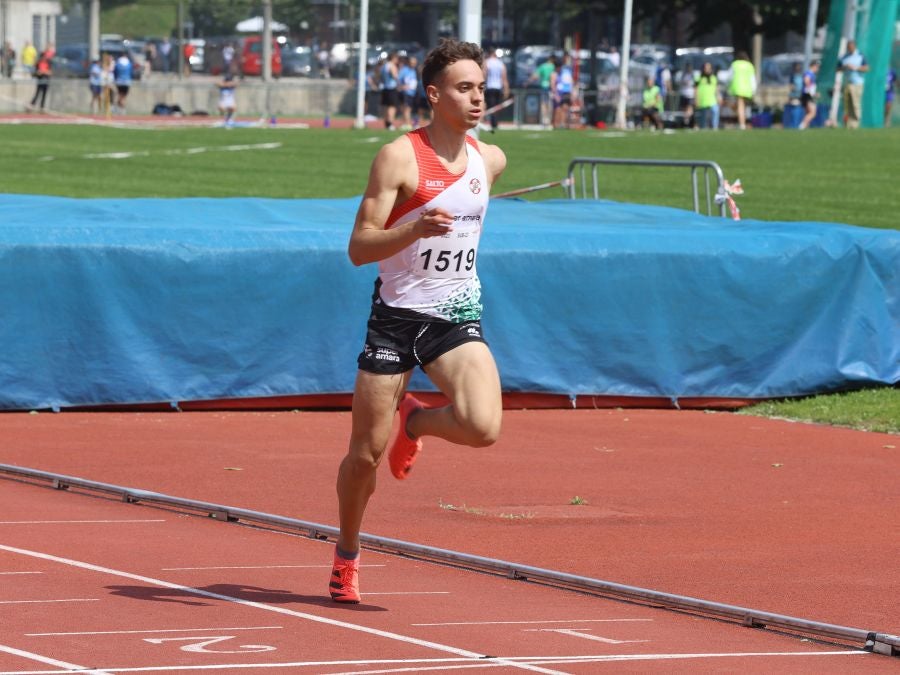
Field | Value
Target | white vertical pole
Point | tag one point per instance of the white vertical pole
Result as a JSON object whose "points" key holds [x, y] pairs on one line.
{"points": [[267, 41], [470, 21], [622, 108], [810, 33], [94, 30], [361, 65]]}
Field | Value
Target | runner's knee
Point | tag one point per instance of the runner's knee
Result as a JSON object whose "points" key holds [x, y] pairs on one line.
{"points": [[482, 429]]}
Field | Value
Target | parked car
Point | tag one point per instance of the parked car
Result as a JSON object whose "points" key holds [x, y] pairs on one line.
{"points": [[251, 56], [296, 60], [72, 61]]}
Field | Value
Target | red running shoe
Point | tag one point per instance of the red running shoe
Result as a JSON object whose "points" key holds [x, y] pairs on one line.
{"points": [[344, 585], [404, 449]]}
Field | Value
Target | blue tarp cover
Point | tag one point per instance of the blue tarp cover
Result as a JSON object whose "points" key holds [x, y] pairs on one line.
{"points": [[145, 300]]}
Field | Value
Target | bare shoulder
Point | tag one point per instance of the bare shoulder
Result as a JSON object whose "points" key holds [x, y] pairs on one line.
{"points": [[494, 159], [395, 165]]}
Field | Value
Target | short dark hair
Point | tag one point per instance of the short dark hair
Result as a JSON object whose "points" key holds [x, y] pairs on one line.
{"points": [[448, 52]]}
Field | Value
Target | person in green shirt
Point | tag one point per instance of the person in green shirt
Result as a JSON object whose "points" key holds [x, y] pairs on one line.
{"points": [[742, 86], [652, 104], [708, 98], [542, 75]]}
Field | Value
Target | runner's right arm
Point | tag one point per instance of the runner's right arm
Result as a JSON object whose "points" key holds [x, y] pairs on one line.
{"points": [[393, 173]]}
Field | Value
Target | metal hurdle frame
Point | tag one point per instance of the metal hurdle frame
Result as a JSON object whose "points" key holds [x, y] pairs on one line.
{"points": [[580, 164]]}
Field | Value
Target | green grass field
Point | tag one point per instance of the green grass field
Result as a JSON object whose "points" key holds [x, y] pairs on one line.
{"points": [[817, 175]]}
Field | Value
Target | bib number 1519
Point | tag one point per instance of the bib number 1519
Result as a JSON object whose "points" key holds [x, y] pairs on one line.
{"points": [[458, 263]]}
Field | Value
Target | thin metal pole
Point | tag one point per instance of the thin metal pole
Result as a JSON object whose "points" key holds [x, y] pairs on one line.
{"points": [[810, 33], [625, 57], [267, 43], [362, 76]]}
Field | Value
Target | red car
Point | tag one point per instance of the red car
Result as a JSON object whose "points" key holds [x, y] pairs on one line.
{"points": [[251, 57]]}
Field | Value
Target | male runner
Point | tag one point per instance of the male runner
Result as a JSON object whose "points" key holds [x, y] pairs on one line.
{"points": [[421, 218]]}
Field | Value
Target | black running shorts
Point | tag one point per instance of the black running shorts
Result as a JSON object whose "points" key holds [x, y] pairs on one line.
{"points": [[396, 345]]}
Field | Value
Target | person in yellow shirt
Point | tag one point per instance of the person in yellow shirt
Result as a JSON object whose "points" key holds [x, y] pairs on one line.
{"points": [[652, 104], [708, 98], [742, 85], [29, 57]]}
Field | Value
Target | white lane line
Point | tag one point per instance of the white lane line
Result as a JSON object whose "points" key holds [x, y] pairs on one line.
{"points": [[271, 608], [578, 632], [160, 630], [410, 593], [487, 623], [73, 522], [6, 573], [255, 567], [27, 602], [450, 663], [50, 662]]}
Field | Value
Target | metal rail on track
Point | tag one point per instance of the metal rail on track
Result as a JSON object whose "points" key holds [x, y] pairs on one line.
{"points": [[871, 640], [582, 164]]}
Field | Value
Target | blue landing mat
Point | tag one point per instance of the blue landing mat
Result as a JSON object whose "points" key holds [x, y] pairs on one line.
{"points": [[110, 301]]}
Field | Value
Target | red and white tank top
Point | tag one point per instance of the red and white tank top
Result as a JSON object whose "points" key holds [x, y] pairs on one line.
{"points": [[437, 276]]}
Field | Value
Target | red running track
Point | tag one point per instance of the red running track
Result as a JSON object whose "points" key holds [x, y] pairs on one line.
{"points": [[781, 517]]}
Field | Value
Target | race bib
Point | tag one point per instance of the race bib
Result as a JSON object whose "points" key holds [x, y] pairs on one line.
{"points": [[450, 256]]}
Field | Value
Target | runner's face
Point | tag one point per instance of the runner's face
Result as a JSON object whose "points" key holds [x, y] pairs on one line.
{"points": [[458, 95]]}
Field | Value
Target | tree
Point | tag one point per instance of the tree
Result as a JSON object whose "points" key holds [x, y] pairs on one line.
{"points": [[745, 17]]}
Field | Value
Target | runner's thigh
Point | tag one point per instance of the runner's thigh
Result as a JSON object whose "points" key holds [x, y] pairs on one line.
{"points": [[468, 376], [375, 400]]}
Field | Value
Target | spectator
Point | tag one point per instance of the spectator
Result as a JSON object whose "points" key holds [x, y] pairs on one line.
{"points": [[8, 59], [95, 82], [408, 83], [122, 72], [563, 89], [227, 102], [149, 59], [663, 80], [708, 98], [889, 95], [228, 58], [390, 94], [323, 58], [796, 91], [687, 94], [853, 65], [742, 86], [188, 52], [652, 104], [496, 85], [372, 88], [165, 55], [42, 71], [29, 57], [543, 75], [809, 94], [422, 111]]}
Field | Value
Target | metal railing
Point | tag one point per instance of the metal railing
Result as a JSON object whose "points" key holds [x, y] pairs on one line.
{"points": [[580, 165]]}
